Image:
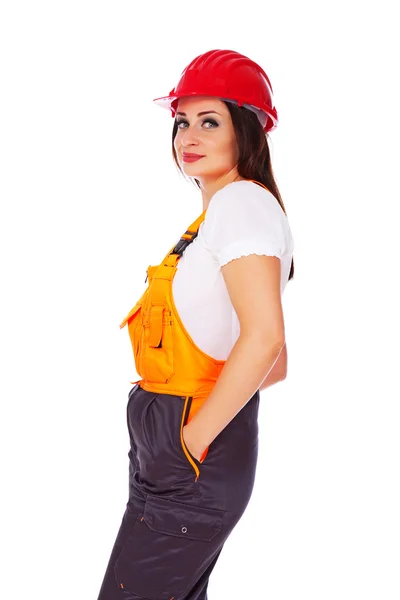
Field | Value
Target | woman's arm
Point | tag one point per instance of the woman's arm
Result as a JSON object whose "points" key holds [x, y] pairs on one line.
{"points": [[253, 283], [278, 371]]}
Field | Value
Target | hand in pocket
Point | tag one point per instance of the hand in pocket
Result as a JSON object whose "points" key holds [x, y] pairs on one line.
{"points": [[195, 449]]}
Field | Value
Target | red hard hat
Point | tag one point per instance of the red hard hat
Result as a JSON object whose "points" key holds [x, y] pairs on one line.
{"points": [[230, 76]]}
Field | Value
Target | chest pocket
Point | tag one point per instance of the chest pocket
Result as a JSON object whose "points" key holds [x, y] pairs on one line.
{"points": [[156, 357], [151, 335]]}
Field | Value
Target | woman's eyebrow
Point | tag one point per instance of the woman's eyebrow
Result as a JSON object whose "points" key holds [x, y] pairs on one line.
{"points": [[205, 112]]}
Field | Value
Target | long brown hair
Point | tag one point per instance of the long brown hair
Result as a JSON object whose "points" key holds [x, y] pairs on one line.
{"points": [[254, 156]]}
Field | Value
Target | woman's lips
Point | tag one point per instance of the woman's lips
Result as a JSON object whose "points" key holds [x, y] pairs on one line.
{"points": [[191, 158]]}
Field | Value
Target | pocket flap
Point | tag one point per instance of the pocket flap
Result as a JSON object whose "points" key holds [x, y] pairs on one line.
{"points": [[131, 313], [182, 520]]}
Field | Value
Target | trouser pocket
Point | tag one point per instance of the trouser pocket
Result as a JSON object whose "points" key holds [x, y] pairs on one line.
{"points": [[166, 548], [195, 463], [187, 454]]}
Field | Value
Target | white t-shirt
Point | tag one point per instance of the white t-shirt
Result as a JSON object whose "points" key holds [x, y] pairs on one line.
{"points": [[242, 218]]}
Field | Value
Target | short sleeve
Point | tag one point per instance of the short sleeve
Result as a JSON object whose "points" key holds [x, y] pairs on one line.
{"points": [[242, 219]]}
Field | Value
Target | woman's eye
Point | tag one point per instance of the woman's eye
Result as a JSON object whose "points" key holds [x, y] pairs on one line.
{"points": [[210, 121], [214, 123]]}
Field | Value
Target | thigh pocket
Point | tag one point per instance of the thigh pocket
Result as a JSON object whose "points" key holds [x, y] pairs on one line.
{"points": [[166, 547], [156, 354]]}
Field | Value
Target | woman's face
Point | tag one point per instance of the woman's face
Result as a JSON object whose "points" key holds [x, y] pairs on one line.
{"points": [[210, 135]]}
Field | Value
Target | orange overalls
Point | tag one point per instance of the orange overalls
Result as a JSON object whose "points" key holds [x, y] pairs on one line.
{"points": [[180, 510]]}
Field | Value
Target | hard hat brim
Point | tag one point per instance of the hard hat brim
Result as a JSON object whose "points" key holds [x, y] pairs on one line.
{"points": [[164, 101]]}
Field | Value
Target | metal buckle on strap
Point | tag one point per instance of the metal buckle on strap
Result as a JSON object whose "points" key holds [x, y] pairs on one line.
{"points": [[184, 242]]}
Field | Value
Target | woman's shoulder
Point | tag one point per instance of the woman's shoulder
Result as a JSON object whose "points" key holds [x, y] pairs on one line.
{"points": [[242, 195], [245, 211]]}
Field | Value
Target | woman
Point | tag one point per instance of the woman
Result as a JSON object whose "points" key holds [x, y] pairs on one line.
{"points": [[206, 338]]}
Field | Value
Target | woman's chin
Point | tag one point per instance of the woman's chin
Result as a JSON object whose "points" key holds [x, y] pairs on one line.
{"points": [[192, 171]]}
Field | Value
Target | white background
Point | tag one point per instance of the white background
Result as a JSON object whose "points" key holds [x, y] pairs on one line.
{"points": [[90, 197]]}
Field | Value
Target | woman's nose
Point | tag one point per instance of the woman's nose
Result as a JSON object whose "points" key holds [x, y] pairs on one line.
{"points": [[189, 137]]}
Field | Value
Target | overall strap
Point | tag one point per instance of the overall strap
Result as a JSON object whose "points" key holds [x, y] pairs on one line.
{"points": [[162, 277], [189, 235], [185, 239]]}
